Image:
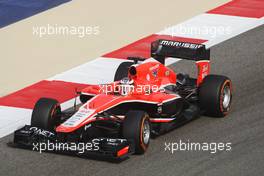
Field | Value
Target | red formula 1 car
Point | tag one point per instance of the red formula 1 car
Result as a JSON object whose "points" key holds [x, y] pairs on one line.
{"points": [[147, 98]]}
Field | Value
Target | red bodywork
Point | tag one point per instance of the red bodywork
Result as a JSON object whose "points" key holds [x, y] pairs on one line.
{"points": [[148, 82]]}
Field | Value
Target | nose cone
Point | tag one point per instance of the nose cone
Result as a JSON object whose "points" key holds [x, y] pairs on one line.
{"points": [[64, 129], [77, 120]]}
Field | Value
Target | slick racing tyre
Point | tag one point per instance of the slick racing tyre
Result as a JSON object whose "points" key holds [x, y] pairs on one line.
{"points": [[46, 114], [215, 95], [122, 70], [136, 127], [84, 98]]}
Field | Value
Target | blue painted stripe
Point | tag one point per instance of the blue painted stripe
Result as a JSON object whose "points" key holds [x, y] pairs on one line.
{"points": [[12, 11]]}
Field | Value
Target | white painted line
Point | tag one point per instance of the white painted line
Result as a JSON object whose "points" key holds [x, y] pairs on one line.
{"points": [[70, 103], [98, 71], [212, 27], [13, 118]]}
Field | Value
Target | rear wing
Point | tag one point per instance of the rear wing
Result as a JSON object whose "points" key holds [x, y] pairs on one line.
{"points": [[161, 49]]}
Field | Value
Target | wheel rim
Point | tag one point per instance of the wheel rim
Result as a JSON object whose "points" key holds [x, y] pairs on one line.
{"points": [[226, 97], [146, 132]]}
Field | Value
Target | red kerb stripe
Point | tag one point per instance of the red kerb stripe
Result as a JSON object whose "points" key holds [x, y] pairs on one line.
{"points": [[27, 97], [141, 48], [243, 8]]}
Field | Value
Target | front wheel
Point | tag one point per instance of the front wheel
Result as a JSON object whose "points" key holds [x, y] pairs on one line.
{"points": [[136, 127], [215, 95], [46, 114]]}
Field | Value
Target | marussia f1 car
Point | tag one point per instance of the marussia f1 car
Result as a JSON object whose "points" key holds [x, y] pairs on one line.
{"points": [[146, 99]]}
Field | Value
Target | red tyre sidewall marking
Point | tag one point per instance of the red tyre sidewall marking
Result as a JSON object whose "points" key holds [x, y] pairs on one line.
{"points": [[53, 111]]}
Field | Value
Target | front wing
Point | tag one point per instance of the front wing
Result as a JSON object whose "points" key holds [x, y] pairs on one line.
{"points": [[36, 139]]}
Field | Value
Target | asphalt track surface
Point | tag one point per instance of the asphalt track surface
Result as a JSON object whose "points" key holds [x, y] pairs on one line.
{"points": [[241, 59]]}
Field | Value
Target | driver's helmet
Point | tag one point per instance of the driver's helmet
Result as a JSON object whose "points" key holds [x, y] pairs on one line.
{"points": [[126, 86]]}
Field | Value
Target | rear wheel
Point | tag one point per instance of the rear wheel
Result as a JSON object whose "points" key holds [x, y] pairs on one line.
{"points": [[215, 95], [84, 98], [136, 127], [122, 70], [46, 114]]}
